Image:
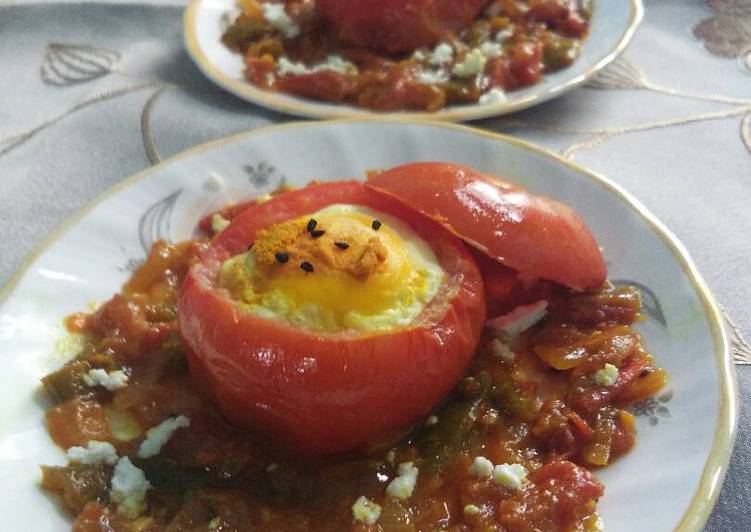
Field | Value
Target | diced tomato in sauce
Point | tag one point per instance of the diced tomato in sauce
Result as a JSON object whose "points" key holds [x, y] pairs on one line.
{"points": [[76, 422], [324, 85]]}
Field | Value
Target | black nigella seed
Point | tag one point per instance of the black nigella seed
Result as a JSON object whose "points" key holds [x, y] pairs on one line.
{"points": [[318, 233], [281, 257], [308, 267], [341, 245], [311, 225], [376, 225]]}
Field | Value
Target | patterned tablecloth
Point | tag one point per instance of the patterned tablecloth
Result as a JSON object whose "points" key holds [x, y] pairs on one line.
{"points": [[670, 121]]}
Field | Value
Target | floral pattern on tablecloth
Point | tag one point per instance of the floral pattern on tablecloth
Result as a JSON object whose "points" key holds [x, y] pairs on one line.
{"points": [[728, 32]]}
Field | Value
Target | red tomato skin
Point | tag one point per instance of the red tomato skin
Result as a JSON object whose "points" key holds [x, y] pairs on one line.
{"points": [[398, 25], [535, 235], [238, 235], [263, 214], [327, 393], [228, 213], [506, 289]]}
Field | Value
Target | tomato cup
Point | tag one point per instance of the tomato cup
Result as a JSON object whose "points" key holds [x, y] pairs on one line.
{"points": [[398, 25], [323, 393]]}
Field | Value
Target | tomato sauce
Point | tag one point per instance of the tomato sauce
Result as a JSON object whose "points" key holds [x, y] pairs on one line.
{"points": [[532, 402], [510, 45]]}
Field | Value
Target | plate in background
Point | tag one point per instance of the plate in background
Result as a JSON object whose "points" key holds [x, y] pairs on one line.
{"points": [[613, 24]]}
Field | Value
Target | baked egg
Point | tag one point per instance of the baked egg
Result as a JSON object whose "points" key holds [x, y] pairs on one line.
{"points": [[345, 267]]}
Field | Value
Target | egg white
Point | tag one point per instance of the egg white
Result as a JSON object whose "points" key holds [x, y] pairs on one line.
{"points": [[410, 295]]}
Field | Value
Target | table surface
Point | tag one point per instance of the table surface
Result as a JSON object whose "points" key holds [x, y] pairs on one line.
{"points": [[671, 122]]}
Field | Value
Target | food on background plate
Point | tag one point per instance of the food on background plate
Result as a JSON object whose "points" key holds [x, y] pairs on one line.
{"points": [[356, 355], [390, 55]]}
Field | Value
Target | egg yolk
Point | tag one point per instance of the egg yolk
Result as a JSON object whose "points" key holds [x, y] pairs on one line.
{"points": [[344, 267]]}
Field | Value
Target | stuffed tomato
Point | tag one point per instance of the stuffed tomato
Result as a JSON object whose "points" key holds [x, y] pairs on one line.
{"points": [[399, 25], [330, 316]]}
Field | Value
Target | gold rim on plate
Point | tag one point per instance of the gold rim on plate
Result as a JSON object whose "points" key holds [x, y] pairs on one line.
{"points": [[311, 109], [705, 496]]}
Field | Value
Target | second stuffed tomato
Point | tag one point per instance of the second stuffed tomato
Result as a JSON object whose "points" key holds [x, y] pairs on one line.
{"points": [[399, 25], [330, 316]]}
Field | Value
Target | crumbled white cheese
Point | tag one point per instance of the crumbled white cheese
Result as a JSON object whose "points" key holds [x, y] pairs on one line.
{"points": [[432, 420], [278, 19], [157, 436], [492, 97], [504, 34], [338, 64], [500, 350], [128, 488], [404, 484], [69, 345], [219, 223], [518, 320], [491, 49], [471, 509], [432, 77], [391, 456], [537, 312], [114, 380], [481, 468], [419, 55], [607, 376], [366, 511], [511, 476], [441, 54], [332, 62], [285, 66], [472, 64], [95, 452]]}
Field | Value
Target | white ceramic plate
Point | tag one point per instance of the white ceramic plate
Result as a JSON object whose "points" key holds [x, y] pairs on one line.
{"points": [[670, 480], [613, 24]]}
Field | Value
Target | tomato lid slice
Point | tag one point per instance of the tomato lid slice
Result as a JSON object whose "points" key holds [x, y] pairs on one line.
{"points": [[535, 235]]}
